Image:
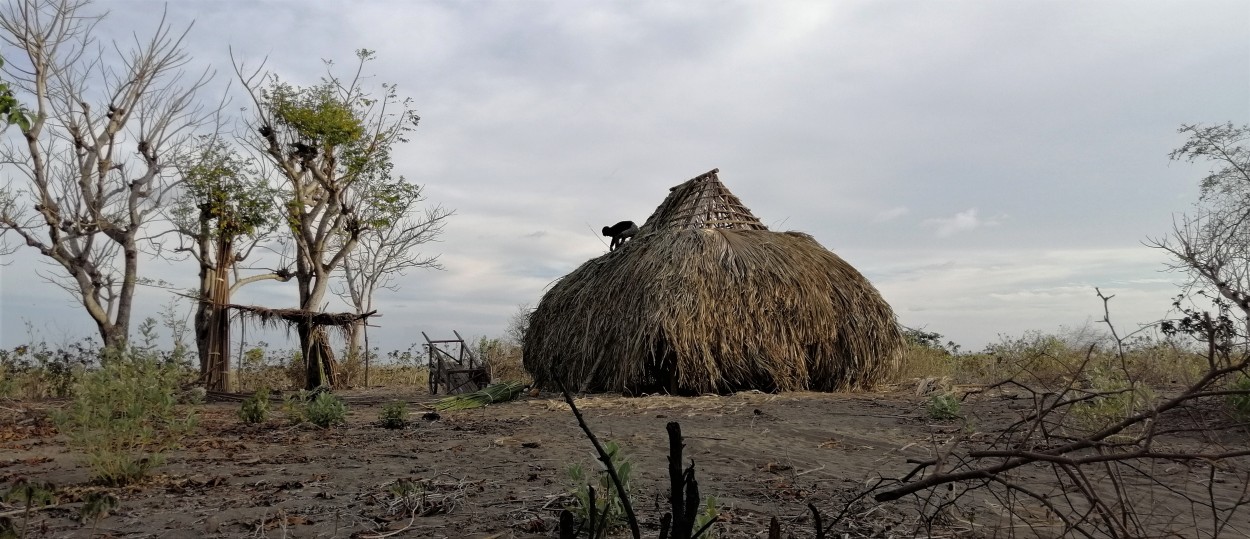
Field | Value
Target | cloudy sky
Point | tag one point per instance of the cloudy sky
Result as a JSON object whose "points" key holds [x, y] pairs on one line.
{"points": [[985, 164]]}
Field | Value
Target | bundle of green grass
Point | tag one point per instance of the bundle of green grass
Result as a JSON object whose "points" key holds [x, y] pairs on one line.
{"points": [[491, 394]]}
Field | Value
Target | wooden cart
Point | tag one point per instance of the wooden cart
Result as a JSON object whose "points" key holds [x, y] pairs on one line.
{"points": [[454, 366]]}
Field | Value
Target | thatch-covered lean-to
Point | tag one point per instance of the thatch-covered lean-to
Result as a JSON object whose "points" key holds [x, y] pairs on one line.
{"points": [[320, 352], [706, 299]]}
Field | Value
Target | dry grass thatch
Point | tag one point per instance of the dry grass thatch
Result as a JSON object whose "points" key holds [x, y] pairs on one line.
{"points": [[266, 317], [706, 299]]}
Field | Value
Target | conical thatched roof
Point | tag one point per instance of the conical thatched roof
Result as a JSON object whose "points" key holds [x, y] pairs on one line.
{"points": [[706, 299]]}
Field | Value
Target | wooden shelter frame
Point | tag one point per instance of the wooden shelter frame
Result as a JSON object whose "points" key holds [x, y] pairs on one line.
{"points": [[317, 321]]}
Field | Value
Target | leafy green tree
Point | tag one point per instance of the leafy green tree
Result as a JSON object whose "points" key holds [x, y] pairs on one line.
{"points": [[225, 209], [330, 146], [11, 111]]}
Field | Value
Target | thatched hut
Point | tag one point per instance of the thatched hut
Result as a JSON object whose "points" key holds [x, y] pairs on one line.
{"points": [[706, 299]]}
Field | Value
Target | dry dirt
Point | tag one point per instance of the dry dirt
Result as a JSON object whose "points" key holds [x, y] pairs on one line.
{"points": [[497, 471]]}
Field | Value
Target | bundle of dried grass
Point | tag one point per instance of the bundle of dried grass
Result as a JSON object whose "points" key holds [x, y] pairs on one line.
{"points": [[267, 316], [706, 299]]}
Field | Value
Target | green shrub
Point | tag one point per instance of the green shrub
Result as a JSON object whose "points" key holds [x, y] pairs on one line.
{"points": [[706, 517], [401, 368], [944, 406], [503, 358], [411, 495], [1160, 363], [1123, 397], [925, 362], [609, 510], [124, 416], [36, 371], [30, 495], [1240, 403], [394, 415], [97, 505], [351, 368], [255, 409], [325, 410], [260, 366], [295, 408]]}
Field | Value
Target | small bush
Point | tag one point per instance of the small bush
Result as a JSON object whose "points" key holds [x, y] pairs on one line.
{"points": [[97, 505], [351, 369], [255, 409], [124, 416], [394, 415], [609, 510], [261, 366], [705, 517], [30, 495], [944, 406], [1122, 398], [36, 371], [295, 408], [325, 410], [1240, 403], [1160, 363], [503, 360], [411, 495]]}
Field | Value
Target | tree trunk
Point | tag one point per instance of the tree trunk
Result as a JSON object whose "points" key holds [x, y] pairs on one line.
{"points": [[204, 309], [354, 338], [218, 368], [212, 334], [130, 278], [212, 321], [353, 347], [318, 356], [203, 316], [114, 336], [319, 364], [365, 329]]}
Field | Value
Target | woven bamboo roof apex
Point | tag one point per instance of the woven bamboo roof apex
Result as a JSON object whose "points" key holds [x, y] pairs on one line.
{"points": [[712, 173], [702, 202]]}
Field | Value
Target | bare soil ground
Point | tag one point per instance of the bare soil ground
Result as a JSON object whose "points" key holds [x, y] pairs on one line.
{"points": [[501, 470]]}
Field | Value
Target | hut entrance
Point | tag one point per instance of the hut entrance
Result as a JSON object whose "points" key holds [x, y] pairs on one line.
{"points": [[454, 366]]}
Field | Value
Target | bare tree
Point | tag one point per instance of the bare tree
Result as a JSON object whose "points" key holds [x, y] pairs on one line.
{"points": [[1111, 460], [1132, 474], [328, 143], [93, 161], [1212, 244], [386, 252]]}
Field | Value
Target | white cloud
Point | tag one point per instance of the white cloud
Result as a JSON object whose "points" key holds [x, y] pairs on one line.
{"points": [[973, 296], [963, 221], [891, 214]]}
